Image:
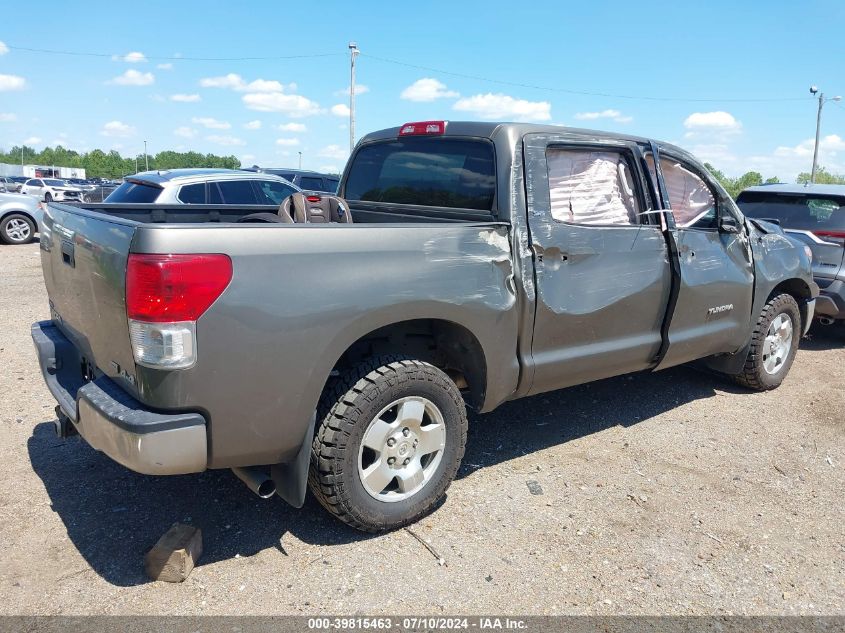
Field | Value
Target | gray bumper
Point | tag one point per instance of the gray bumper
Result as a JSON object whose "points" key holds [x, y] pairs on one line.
{"points": [[114, 422], [831, 300]]}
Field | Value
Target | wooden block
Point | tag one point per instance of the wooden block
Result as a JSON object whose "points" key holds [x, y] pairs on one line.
{"points": [[175, 554]]}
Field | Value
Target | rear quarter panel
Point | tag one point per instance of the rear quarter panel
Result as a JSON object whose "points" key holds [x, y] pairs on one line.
{"points": [[301, 295]]}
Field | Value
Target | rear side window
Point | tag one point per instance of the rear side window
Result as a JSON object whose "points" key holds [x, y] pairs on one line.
{"points": [[272, 192], [134, 192], [591, 187], [310, 182], [237, 192], [192, 194], [435, 172], [799, 211], [32, 183]]}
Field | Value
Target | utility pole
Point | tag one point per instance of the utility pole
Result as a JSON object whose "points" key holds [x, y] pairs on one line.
{"points": [[813, 91], [21, 155], [353, 50], [300, 160], [136, 163], [146, 160]]}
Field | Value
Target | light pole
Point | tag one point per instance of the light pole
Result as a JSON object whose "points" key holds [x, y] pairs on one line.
{"points": [[353, 50], [813, 91], [146, 160], [300, 160]]}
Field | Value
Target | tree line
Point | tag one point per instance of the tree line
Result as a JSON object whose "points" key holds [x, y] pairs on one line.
{"points": [[754, 178], [100, 164]]}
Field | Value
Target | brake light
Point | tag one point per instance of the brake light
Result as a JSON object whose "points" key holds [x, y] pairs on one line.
{"points": [[422, 128], [165, 295], [838, 234]]}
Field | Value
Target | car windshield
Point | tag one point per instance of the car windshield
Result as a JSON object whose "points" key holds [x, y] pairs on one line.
{"points": [[429, 171], [804, 212], [54, 183]]}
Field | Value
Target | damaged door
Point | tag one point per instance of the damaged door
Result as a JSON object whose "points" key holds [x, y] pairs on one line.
{"points": [[601, 264]]}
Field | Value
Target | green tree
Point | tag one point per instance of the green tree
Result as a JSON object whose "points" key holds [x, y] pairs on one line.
{"points": [[823, 177], [735, 185]]}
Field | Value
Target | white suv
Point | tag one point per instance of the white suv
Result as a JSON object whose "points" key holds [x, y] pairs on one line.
{"points": [[49, 189]]}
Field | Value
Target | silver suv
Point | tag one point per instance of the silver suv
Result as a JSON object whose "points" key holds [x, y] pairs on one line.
{"points": [[202, 186]]}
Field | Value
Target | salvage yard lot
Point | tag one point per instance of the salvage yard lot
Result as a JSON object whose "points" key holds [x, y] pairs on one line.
{"points": [[674, 492]]}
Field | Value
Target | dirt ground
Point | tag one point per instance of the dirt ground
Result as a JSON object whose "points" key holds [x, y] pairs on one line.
{"points": [[667, 493]]}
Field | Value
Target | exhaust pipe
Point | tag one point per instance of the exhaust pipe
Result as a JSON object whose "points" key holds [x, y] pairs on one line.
{"points": [[256, 480], [826, 320], [63, 426]]}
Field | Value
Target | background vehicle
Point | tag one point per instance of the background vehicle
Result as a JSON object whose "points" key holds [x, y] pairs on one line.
{"points": [[306, 180], [486, 262], [49, 189], [20, 218], [203, 186], [9, 185], [814, 214], [81, 183]]}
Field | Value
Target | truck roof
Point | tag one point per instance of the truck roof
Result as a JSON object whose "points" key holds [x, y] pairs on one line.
{"points": [[824, 190]]}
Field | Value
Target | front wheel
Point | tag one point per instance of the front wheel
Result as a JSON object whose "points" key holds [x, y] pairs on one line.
{"points": [[48, 197], [774, 344], [389, 444]]}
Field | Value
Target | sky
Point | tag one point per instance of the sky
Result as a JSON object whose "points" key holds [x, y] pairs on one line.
{"points": [[266, 80]]}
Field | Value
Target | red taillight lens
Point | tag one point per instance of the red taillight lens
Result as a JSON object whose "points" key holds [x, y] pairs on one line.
{"points": [[167, 288], [837, 234], [423, 128]]}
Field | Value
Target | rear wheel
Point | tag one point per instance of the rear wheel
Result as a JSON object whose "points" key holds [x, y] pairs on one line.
{"points": [[48, 197], [774, 344], [390, 443], [17, 229]]}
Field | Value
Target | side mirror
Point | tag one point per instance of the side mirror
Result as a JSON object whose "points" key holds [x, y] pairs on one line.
{"points": [[728, 224]]}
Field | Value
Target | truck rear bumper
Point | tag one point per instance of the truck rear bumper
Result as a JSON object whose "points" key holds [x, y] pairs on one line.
{"points": [[114, 422]]}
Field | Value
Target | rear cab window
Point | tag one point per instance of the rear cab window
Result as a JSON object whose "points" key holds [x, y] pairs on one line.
{"points": [[822, 215], [451, 173], [134, 192], [311, 182]]}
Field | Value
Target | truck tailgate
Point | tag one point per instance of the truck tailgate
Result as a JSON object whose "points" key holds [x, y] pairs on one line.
{"points": [[83, 256]]}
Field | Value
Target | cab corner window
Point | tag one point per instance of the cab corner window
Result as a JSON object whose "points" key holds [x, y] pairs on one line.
{"points": [[591, 187]]}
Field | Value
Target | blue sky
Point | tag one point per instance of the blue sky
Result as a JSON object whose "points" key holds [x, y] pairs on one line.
{"points": [[459, 60]]}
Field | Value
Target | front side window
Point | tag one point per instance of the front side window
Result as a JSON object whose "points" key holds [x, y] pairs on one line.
{"points": [[426, 171], [273, 192], [591, 187], [693, 202], [237, 192]]}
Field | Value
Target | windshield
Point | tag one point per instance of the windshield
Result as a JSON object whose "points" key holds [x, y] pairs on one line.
{"points": [[134, 192], [427, 171], [796, 211]]}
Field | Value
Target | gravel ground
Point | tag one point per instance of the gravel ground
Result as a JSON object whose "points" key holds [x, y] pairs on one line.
{"points": [[673, 492]]}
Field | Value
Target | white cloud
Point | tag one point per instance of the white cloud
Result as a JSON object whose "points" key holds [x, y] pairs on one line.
{"points": [[253, 125], [287, 142], [292, 127], [182, 98], [3, 48], [134, 57], [501, 106], [32, 140], [341, 109], [247, 158], [335, 152], [427, 89], [292, 105], [211, 123], [614, 115], [233, 81], [165, 66], [718, 120], [185, 132], [6, 117], [12, 82], [133, 78], [714, 153], [224, 140], [117, 128], [359, 90]]}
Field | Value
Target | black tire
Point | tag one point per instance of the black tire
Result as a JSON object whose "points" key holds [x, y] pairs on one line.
{"points": [[11, 226], [754, 375], [348, 407], [48, 197]]}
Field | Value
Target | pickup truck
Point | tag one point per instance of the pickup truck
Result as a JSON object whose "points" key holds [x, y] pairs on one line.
{"points": [[478, 263]]}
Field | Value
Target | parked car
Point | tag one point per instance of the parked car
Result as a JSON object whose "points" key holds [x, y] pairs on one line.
{"points": [[49, 189], [81, 183], [203, 186], [9, 185], [20, 218], [306, 180], [99, 193], [481, 262], [814, 214]]}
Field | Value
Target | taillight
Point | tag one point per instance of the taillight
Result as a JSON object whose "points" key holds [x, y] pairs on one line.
{"points": [[165, 295], [835, 234], [423, 128]]}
